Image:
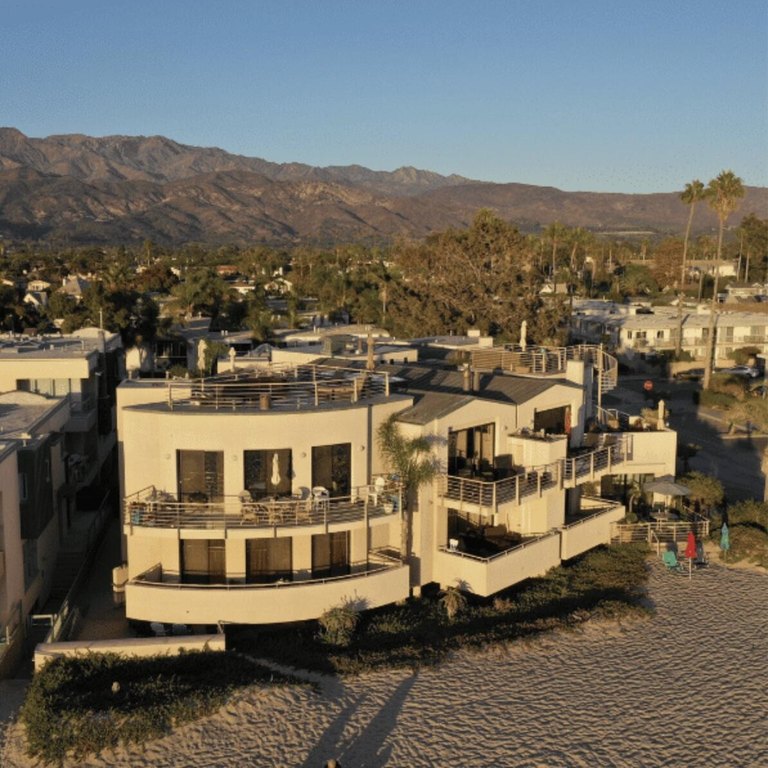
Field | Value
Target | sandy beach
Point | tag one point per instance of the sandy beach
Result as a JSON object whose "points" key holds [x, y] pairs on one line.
{"points": [[687, 686]]}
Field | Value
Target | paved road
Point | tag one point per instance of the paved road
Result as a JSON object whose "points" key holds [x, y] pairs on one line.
{"points": [[733, 459]]}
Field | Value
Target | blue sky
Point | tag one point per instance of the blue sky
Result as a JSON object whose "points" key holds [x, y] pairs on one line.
{"points": [[602, 95]]}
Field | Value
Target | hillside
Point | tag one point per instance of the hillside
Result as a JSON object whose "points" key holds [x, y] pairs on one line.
{"points": [[123, 188]]}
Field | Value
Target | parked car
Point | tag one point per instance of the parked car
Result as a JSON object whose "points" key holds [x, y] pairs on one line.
{"points": [[743, 370], [692, 374]]}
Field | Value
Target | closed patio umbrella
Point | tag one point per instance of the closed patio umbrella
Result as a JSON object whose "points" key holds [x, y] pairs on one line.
{"points": [[725, 538], [275, 479], [690, 551]]}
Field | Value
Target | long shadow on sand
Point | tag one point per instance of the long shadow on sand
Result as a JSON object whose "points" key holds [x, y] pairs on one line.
{"points": [[373, 736]]}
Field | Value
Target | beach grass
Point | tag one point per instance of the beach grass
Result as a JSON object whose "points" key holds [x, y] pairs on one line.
{"points": [[85, 704]]}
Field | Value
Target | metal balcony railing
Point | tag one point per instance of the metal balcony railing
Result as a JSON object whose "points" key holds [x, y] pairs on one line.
{"points": [[153, 508], [277, 387]]}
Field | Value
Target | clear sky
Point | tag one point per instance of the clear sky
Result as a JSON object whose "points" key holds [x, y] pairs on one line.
{"points": [[603, 95]]}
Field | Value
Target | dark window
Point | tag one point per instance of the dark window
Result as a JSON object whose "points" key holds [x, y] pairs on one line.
{"points": [[268, 560], [471, 451], [203, 561], [330, 554], [267, 473], [554, 421], [200, 475], [331, 468]]}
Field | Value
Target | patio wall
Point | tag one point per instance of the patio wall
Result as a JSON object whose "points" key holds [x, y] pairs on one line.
{"points": [[590, 532], [262, 604], [129, 646], [487, 576]]}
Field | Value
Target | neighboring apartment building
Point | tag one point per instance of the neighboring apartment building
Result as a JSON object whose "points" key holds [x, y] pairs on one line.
{"points": [[85, 367], [262, 496], [33, 512], [635, 329]]}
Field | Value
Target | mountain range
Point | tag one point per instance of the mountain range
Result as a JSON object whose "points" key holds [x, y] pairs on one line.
{"points": [[83, 189]]}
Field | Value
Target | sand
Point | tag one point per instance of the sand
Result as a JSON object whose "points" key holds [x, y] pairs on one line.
{"points": [[687, 686]]}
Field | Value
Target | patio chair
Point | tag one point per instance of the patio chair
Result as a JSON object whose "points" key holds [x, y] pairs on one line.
{"points": [[671, 561]]}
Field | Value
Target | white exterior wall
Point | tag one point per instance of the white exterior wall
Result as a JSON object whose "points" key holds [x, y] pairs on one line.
{"points": [[12, 578]]}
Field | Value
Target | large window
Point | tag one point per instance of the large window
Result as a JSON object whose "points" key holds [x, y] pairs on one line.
{"points": [[268, 560], [330, 554], [200, 475], [203, 562], [332, 467], [267, 473]]}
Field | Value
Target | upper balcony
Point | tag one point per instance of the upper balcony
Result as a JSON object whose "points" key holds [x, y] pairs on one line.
{"points": [[153, 508], [278, 388], [648, 450]]}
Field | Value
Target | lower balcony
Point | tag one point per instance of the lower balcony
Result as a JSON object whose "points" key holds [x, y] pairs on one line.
{"points": [[155, 596], [486, 575]]}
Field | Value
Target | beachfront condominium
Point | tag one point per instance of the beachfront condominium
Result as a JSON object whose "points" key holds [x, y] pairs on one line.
{"points": [[263, 495]]}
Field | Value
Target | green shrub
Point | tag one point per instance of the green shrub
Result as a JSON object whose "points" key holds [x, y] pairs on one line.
{"points": [[745, 355], [753, 512], [716, 399], [749, 542], [338, 624]]}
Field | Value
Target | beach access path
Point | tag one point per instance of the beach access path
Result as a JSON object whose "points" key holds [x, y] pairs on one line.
{"points": [[685, 686]]}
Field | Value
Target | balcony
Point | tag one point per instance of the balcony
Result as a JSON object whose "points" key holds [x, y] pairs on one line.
{"points": [[155, 596], [153, 508], [487, 575], [486, 496], [82, 412]]}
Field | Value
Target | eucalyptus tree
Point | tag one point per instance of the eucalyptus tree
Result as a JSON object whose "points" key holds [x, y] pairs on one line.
{"points": [[724, 194], [484, 276]]}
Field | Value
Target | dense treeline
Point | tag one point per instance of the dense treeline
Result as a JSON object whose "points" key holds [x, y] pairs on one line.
{"points": [[488, 276]]}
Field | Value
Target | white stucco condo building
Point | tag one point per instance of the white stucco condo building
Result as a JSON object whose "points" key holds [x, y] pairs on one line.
{"points": [[261, 496]]}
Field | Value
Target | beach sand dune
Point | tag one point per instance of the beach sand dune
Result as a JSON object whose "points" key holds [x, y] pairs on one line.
{"points": [[687, 686]]}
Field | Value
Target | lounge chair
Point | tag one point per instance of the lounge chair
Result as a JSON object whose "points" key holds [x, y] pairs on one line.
{"points": [[671, 561]]}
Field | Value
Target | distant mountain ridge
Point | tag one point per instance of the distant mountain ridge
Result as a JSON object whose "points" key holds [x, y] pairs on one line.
{"points": [[124, 188]]}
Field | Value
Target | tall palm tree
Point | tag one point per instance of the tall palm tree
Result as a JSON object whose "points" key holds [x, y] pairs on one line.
{"points": [[411, 459], [723, 194], [694, 192]]}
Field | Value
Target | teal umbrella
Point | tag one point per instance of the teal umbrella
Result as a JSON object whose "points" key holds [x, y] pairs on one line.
{"points": [[725, 538]]}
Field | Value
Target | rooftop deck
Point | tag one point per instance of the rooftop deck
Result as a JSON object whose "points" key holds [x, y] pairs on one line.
{"points": [[276, 387]]}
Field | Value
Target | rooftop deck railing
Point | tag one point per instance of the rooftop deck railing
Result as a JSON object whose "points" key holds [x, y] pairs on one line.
{"points": [[153, 508], [295, 387]]}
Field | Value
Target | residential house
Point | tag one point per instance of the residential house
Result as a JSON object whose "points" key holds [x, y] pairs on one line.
{"points": [[262, 495]]}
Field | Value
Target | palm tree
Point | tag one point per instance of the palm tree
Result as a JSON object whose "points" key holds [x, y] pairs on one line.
{"points": [[693, 193], [411, 459], [723, 195]]}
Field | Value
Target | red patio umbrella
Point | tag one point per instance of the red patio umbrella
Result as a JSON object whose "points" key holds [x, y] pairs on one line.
{"points": [[690, 547], [690, 551]]}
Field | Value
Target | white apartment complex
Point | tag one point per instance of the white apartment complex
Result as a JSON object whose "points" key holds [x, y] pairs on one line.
{"points": [[634, 329], [262, 496]]}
